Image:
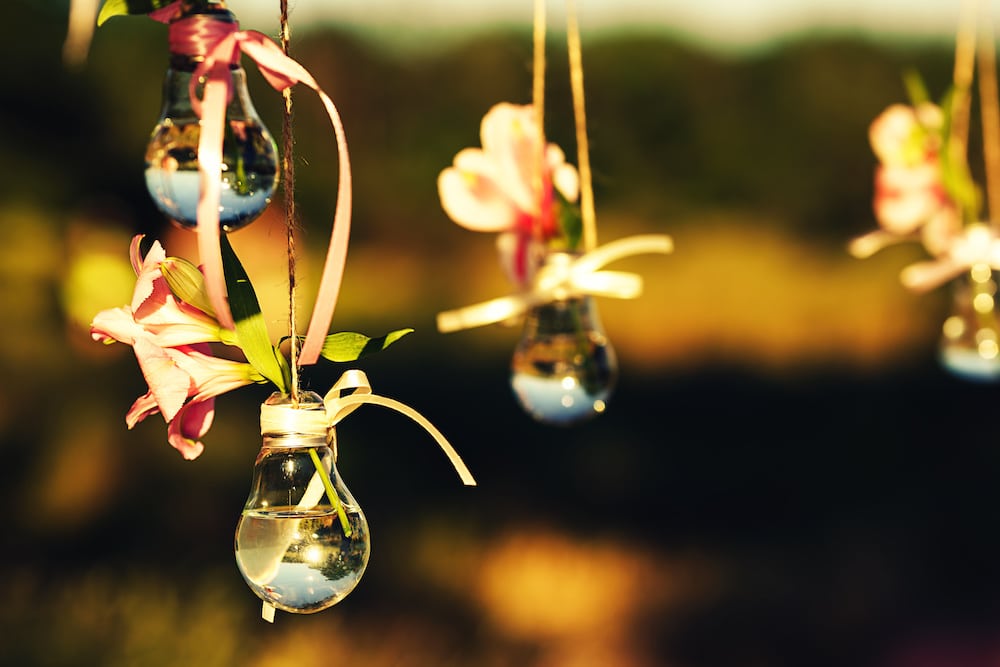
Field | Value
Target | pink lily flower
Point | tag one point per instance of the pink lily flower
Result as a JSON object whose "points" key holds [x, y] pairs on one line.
{"points": [[155, 313], [183, 383], [909, 188], [170, 339], [502, 188]]}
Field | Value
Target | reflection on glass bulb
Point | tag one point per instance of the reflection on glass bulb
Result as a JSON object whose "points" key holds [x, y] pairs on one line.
{"points": [[970, 347], [564, 368], [249, 155], [298, 548]]}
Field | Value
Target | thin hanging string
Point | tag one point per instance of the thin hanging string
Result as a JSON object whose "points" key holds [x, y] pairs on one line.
{"points": [[965, 57], [538, 100], [291, 215], [989, 101], [580, 116]]}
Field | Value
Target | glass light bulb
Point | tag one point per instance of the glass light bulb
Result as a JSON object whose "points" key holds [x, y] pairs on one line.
{"points": [[970, 341], [299, 549], [564, 368], [249, 155]]}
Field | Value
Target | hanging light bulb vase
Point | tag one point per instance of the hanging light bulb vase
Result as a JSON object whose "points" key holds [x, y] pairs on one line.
{"points": [[249, 155], [970, 347], [564, 368], [302, 541]]}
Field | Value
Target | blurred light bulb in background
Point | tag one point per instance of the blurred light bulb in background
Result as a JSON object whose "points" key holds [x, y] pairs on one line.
{"points": [[293, 547], [249, 155], [970, 341], [563, 368]]}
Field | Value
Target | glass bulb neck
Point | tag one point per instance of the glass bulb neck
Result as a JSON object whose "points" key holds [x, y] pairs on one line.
{"points": [[575, 313], [286, 423]]}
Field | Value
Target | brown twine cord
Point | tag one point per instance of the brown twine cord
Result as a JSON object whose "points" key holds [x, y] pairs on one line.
{"points": [[965, 48], [588, 215], [989, 101], [291, 215], [538, 97]]}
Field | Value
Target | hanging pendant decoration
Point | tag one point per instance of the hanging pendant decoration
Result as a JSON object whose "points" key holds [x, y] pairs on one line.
{"points": [[521, 187], [302, 540], [924, 192], [248, 158]]}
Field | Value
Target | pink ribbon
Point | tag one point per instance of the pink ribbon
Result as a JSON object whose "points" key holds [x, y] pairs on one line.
{"points": [[220, 44]]}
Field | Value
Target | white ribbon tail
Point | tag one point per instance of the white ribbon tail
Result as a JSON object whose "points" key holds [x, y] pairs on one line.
{"points": [[630, 245], [617, 284], [925, 276], [487, 312], [583, 277], [868, 244], [456, 460]]}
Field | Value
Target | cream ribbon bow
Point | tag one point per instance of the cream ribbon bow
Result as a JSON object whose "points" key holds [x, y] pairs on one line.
{"points": [[979, 244], [562, 277], [353, 390]]}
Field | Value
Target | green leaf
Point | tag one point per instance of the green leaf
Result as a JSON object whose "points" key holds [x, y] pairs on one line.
{"points": [[915, 87], [187, 283], [251, 330], [570, 221], [114, 8], [348, 346]]}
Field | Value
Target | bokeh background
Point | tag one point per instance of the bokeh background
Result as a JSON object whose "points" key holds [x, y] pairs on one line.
{"points": [[784, 475]]}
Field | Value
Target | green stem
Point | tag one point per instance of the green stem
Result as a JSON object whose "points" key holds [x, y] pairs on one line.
{"points": [[331, 493]]}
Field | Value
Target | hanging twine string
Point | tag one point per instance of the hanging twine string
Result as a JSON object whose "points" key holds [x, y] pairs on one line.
{"points": [[538, 104], [220, 44], [291, 216], [965, 58], [989, 100], [580, 116]]}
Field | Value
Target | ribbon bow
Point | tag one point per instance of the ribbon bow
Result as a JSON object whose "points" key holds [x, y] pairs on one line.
{"points": [[220, 44], [353, 390], [349, 393], [562, 277], [979, 244]]}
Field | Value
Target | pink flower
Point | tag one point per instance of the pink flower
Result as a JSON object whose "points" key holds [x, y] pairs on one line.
{"points": [[155, 313], [909, 185], [169, 337], [183, 383], [906, 136], [503, 188]]}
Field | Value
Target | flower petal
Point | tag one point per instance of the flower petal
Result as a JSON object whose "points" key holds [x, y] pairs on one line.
{"points": [[190, 425], [115, 324], [148, 272], [511, 138], [211, 376], [168, 384], [474, 201], [143, 407]]}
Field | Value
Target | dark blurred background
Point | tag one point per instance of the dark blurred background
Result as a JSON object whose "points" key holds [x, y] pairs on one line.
{"points": [[784, 476]]}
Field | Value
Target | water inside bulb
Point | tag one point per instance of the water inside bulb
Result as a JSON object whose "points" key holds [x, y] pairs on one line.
{"points": [[970, 341], [249, 155], [298, 549], [564, 367]]}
